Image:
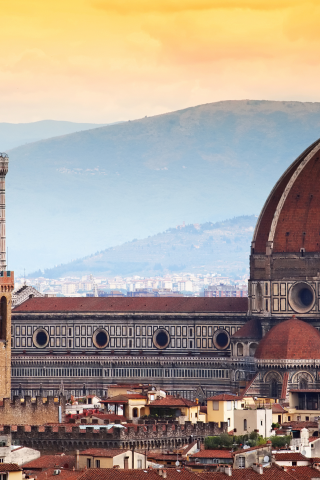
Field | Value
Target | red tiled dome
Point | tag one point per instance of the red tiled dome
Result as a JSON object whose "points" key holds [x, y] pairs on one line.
{"points": [[290, 217], [289, 340]]}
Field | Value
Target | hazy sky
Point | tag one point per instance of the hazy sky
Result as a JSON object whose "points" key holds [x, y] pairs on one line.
{"points": [[110, 60]]}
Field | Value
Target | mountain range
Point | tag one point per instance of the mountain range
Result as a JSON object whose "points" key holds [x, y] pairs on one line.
{"points": [[221, 247], [76, 194], [15, 134]]}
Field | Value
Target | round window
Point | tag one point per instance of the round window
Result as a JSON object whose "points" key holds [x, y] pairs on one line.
{"points": [[221, 339], [301, 297], [161, 338], [40, 338], [100, 338]]}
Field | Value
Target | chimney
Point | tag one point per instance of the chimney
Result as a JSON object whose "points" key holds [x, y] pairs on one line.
{"points": [[228, 470], [316, 466], [77, 459], [160, 472], [257, 467], [164, 474]]}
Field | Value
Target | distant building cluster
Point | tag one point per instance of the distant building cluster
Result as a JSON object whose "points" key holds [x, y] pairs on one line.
{"points": [[187, 284]]}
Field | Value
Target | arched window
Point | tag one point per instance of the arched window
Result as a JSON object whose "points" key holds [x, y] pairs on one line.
{"points": [[303, 384], [252, 349], [274, 388], [239, 349]]}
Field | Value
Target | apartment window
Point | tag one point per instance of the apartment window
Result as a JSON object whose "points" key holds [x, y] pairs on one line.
{"points": [[97, 463], [228, 422], [139, 463], [229, 406], [215, 405], [289, 418], [242, 462], [245, 425], [261, 423], [307, 419], [88, 462]]}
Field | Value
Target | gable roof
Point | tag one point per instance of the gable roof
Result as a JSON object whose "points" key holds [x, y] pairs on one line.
{"points": [[51, 461], [9, 467], [251, 329], [102, 452], [291, 456], [223, 397], [134, 304]]}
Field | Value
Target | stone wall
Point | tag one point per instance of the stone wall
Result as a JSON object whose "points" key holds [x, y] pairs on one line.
{"points": [[31, 412], [69, 438]]}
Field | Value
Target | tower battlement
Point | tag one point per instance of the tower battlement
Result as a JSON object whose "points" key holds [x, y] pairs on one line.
{"points": [[6, 281]]}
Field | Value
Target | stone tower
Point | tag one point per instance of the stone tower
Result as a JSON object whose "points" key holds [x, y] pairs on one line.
{"points": [[6, 288]]}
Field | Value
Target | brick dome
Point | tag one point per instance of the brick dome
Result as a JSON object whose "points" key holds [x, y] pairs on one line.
{"points": [[290, 340], [290, 218]]}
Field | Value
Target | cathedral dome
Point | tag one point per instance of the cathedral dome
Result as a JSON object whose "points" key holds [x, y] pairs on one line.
{"points": [[290, 340], [290, 219]]}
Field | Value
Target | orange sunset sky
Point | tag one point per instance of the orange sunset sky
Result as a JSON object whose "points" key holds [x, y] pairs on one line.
{"points": [[111, 60]]}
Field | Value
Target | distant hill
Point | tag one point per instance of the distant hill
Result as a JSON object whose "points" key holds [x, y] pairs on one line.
{"points": [[79, 193], [13, 135], [221, 247]]}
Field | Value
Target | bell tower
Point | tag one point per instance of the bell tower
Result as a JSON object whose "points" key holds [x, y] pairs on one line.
{"points": [[6, 288]]}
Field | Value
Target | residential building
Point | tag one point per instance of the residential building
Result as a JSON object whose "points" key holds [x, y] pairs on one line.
{"points": [[112, 458], [253, 420], [221, 408]]}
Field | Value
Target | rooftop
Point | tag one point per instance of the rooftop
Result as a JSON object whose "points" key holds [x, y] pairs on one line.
{"points": [[135, 304]]}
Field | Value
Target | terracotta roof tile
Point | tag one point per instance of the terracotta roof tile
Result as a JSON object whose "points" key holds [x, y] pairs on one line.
{"points": [[138, 304], [291, 339], [9, 467], [102, 452], [251, 329], [51, 461], [224, 397], [277, 408], [303, 473], [306, 182], [290, 456]]}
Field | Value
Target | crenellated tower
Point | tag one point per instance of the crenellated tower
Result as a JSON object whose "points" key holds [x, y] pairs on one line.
{"points": [[6, 288]]}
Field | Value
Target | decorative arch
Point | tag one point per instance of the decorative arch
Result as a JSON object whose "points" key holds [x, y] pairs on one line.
{"points": [[303, 379], [273, 375], [252, 348], [240, 349], [274, 380], [240, 375]]}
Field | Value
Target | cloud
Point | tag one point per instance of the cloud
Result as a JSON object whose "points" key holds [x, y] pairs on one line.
{"points": [[126, 7]]}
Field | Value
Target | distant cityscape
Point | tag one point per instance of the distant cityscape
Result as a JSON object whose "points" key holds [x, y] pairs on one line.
{"points": [[187, 284]]}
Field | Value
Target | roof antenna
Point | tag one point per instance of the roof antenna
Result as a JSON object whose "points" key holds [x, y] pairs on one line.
{"points": [[24, 275], [8, 258]]}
